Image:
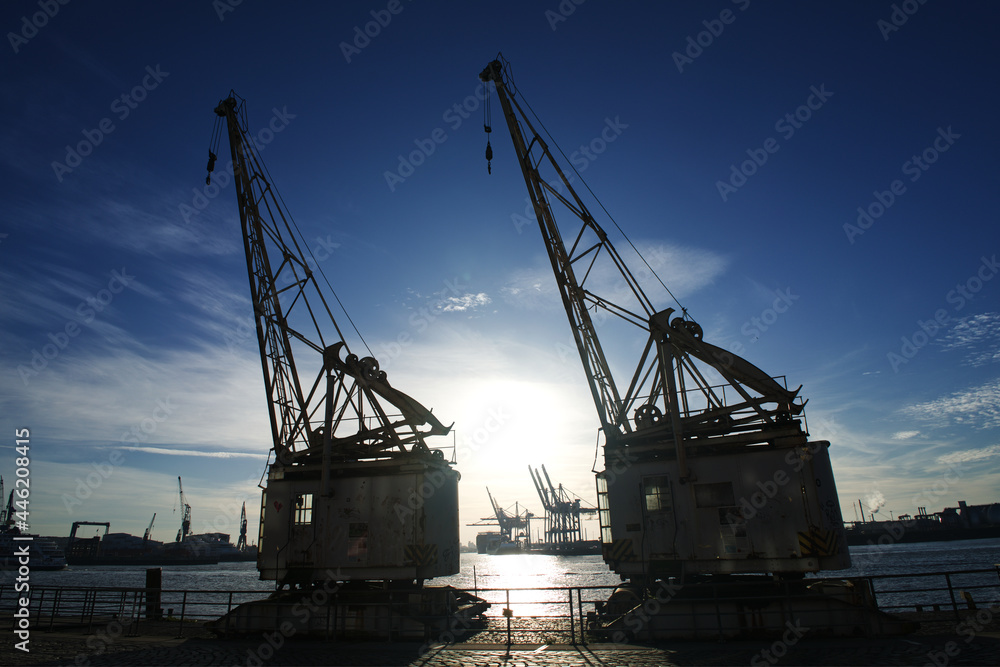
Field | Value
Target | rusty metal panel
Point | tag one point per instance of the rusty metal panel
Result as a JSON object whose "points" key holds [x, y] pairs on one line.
{"points": [[763, 510], [382, 520]]}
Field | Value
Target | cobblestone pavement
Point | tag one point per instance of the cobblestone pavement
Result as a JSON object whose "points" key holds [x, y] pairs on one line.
{"points": [[74, 648]]}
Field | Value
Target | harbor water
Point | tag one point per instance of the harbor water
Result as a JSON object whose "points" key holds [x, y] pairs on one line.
{"points": [[530, 570], [535, 584]]}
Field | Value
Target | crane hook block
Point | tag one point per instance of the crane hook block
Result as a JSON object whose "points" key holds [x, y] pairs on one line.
{"points": [[489, 157], [211, 167]]}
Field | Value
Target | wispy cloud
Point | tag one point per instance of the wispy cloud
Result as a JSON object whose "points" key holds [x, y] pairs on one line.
{"points": [[683, 270], [905, 435], [458, 304], [978, 336], [978, 407], [192, 452], [970, 455]]}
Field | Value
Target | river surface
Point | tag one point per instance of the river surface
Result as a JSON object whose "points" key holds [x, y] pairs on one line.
{"points": [[531, 570], [534, 572]]}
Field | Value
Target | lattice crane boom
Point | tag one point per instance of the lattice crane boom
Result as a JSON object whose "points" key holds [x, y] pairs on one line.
{"points": [[339, 409], [692, 430], [669, 395]]}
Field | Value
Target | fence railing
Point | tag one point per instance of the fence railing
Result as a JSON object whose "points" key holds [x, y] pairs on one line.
{"points": [[515, 615]]}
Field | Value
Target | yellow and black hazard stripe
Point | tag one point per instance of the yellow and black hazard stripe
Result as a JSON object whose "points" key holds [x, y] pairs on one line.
{"points": [[421, 554], [818, 542], [619, 550]]}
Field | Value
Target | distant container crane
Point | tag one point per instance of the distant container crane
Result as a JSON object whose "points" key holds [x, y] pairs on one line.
{"points": [[515, 529], [185, 528], [562, 513]]}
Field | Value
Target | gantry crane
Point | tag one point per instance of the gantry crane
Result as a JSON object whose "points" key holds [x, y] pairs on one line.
{"points": [[353, 478], [562, 512], [707, 466]]}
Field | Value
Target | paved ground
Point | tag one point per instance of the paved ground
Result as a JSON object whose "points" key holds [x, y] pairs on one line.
{"points": [[160, 648]]}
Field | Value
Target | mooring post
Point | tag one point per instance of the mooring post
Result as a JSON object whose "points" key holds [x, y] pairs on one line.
{"points": [[509, 614], [154, 582]]}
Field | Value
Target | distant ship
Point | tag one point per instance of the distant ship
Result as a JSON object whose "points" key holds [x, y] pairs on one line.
{"points": [[126, 549], [965, 522], [43, 552], [496, 544]]}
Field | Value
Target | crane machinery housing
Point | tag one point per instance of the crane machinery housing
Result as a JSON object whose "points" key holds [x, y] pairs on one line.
{"points": [[354, 491], [708, 468]]}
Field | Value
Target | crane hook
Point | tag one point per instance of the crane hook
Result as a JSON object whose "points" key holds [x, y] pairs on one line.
{"points": [[489, 149], [211, 167]]}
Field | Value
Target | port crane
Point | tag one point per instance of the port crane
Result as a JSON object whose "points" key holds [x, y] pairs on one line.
{"points": [[354, 490], [513, 526], [696, 439], [149, 531], [241, 543], [185, 530], [562, 511]]}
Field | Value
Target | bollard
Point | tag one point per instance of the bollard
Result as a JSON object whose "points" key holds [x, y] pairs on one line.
{"points": [[154, 582]]}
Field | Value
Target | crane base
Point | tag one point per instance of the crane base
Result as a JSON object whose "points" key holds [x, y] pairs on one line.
{"points": [[744, 607], [355, 611]]}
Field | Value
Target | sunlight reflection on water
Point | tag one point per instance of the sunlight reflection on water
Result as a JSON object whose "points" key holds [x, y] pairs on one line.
{"points": [[500, 573]]}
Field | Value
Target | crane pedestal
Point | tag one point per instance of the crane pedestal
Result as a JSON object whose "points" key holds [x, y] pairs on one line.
{"points": [[723, 607], [357, 610]]}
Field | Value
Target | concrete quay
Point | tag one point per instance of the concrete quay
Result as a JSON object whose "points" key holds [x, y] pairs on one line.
{"points": [[160, 646]]}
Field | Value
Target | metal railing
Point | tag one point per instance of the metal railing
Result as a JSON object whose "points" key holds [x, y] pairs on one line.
{"points": [[571, 614]]}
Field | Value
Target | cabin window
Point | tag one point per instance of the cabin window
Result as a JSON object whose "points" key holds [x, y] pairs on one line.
{"points": [[303, 509], [656, 492]]}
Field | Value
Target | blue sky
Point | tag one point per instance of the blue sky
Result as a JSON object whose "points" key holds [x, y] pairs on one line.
{"points": [[734, 142]]}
